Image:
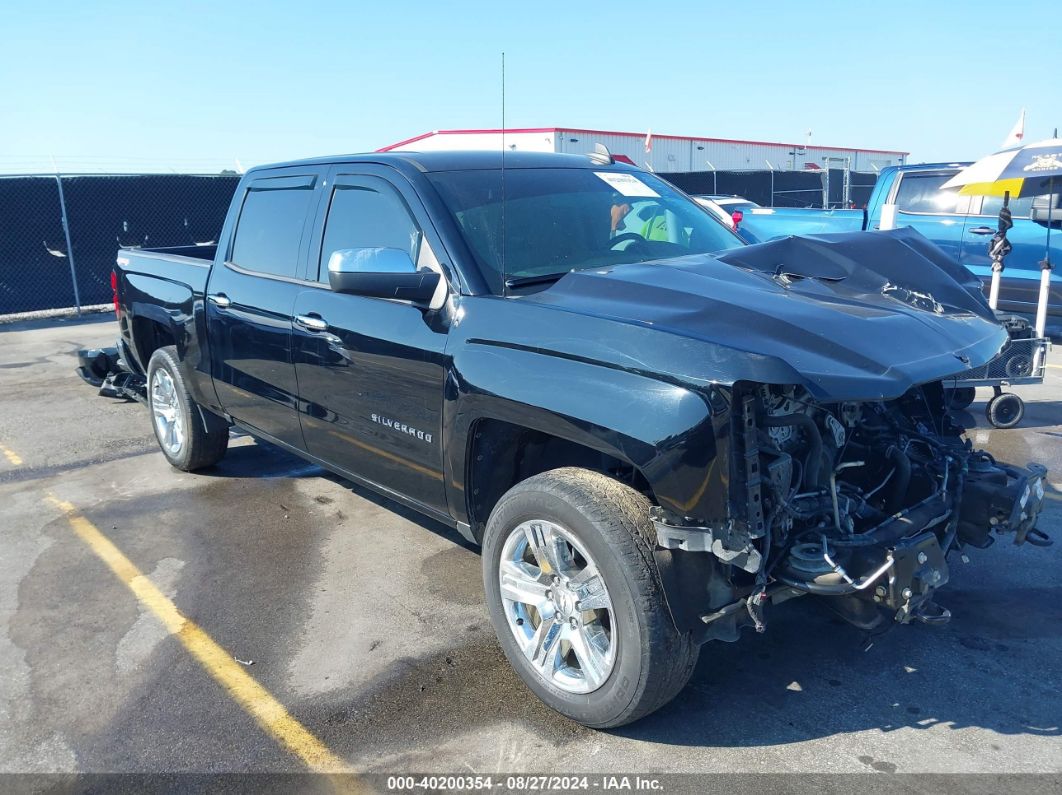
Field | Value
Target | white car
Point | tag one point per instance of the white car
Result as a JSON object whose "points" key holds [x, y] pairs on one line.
{"points": [[729, 209]]}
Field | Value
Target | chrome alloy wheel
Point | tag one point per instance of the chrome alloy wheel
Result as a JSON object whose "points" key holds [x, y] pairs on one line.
{"points": [[557, 606], [166, 411]]}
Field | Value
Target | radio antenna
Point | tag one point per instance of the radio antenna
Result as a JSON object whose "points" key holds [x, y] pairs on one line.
{"points": [[504, 287]]}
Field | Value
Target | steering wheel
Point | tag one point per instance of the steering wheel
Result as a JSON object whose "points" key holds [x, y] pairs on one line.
{"points": [[626, 237]]}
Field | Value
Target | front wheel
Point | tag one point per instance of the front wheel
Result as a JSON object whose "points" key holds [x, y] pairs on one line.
{"points": [[961, 397], [190, 438], [1005, 410], [576, 600]]}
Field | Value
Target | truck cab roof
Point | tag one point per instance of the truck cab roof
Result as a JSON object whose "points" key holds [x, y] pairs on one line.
{"points": [[472, 160], [926, 166]]}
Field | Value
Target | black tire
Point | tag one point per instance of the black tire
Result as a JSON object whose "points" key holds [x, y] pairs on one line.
{"points": [[205, 434], [961, 397], [1005, 410], [653, 659]]}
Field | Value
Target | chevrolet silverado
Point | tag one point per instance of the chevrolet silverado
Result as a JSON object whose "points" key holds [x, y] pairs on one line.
{"points": [[654, 431]]}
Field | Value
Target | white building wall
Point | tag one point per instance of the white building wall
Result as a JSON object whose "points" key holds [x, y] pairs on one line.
{"points": [[667, 155], [701, 154], [581, 143]]}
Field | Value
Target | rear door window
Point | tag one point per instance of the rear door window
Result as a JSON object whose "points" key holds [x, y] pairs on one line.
{"points": [[921, 193], [268, 235]]}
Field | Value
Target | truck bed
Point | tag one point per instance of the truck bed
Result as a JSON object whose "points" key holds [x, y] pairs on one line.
{"points": [[766, 223], [160, 286], [196, 255]]}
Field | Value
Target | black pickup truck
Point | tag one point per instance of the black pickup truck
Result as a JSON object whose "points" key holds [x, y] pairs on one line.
{"points": [[654, 431]]}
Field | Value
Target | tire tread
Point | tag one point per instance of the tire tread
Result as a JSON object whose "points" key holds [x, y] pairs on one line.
{"points": [[621, 514], [206, 435]]}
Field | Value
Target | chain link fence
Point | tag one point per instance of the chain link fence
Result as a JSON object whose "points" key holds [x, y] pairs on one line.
{"points": [[819, 188], [59, 234]]}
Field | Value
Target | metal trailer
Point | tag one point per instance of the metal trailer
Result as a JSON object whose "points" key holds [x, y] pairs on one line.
{"points": [[1022, 361]]}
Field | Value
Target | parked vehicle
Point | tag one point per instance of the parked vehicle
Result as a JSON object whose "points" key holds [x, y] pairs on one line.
{"points": [[961, 225], [731, 209], [716, 210], [730, 201], [654, 437]]}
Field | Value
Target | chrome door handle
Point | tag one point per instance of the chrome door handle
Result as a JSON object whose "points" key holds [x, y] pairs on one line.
{"points": [[311, 322], [982, 230], [220, 300]]}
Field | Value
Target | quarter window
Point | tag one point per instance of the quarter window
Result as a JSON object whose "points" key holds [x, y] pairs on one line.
{"points": [[269, 233], [368, 216]]}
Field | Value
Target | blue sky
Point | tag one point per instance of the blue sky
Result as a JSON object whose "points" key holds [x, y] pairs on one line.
{"points": [[159, 86]]}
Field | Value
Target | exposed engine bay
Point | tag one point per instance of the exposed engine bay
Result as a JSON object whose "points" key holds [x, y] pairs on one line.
{"points": [[860, 502]]}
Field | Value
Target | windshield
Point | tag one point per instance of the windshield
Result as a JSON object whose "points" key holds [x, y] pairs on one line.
{"points": [[738, 205], [562, 219]]}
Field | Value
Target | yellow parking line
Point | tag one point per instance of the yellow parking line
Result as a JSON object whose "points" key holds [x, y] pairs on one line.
{"points": [[1052, 496], [245, 691], [12, 457], [1055, 366]]}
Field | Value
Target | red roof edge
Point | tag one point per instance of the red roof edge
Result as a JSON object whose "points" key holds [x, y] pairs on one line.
{"points": [[412, 140], [496, 131], [640, 136]]}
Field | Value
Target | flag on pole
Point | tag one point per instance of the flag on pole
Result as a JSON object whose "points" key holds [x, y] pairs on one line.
{"points": [[1017, 134], [649, 141]]}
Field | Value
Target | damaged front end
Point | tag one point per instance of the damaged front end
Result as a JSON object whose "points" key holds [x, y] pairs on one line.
{"points": [[858, 502]]}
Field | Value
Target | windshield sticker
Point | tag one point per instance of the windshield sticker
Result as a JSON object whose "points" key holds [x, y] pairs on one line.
{"points": [[627, 184]]}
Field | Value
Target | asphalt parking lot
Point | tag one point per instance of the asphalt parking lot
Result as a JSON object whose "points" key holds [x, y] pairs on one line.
{"points": [[365, 623]]}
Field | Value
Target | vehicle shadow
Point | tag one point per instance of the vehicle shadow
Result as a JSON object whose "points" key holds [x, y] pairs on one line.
{"points": [[259, 459], [263, 460], [410, 515], [1038, 414], [808, 677]]}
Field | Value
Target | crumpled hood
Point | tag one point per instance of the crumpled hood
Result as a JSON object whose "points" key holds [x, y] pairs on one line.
{"points": [[865, 314]]}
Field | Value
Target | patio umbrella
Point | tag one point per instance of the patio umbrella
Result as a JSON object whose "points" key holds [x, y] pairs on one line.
{"points": [[1029, 170]]}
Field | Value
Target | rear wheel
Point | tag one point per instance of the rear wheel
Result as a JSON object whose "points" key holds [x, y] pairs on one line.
{"points": [[576, 601], [190, 438]]}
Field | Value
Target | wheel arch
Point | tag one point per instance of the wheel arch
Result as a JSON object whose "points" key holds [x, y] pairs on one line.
{"points": [[662, 436], [502, 453], [150, 333]]}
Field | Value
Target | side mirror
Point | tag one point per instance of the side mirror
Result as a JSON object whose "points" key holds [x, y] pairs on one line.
{"points": [[888, 216], [380, 273], [1042, 214]]}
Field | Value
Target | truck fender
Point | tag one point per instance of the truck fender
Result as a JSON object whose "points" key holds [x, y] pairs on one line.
{"points": [[667, 431]]}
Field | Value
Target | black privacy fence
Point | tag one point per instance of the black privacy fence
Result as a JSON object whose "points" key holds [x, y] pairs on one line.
{"points": [[59, 234], [813, 188]]}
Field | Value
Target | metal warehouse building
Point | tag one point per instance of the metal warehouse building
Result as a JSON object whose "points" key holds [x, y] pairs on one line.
{"points": [[670, 153]]}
